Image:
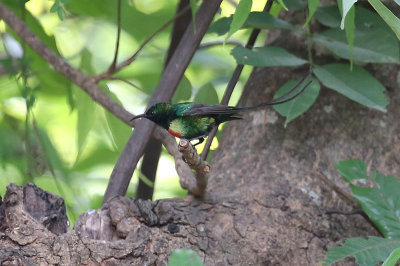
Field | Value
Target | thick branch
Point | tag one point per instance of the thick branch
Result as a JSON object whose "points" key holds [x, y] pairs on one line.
{"points": [[170, 79]]}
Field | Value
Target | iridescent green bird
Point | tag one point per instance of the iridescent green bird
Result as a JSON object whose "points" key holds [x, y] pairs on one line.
{"points": [[194, 121]]}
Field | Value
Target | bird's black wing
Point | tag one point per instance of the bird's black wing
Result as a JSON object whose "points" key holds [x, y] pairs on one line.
{"points": [[209, 110]]}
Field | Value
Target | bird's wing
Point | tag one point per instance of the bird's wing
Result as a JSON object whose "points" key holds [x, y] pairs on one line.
{"points": [[201, 109]]}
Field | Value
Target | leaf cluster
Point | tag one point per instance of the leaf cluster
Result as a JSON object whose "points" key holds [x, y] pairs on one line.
{"points": [[382, 205]]}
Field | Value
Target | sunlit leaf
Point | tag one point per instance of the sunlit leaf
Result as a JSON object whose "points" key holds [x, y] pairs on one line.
{"points": [[298, 105], [206, 95], [184, 256], [358, 85], [266, 56], [369, 251], [352, 169], [240, 16]]}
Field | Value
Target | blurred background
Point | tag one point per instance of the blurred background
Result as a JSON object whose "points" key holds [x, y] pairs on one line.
{"points": [[53, 134]]}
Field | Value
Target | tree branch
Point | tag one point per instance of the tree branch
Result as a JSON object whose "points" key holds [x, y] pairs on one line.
{"points": [[153, 149], [232, 83], [87, 83], [201, 167], [111, 69], [128, 61], [170, 79]]}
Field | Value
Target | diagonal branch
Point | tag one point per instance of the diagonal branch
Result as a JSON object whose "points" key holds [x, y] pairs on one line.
{"points": [[114, 62], [128, 61], [170, 79], [87, 83]]}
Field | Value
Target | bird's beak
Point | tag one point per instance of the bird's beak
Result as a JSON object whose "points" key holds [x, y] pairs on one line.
{"points": [[138, 116]]}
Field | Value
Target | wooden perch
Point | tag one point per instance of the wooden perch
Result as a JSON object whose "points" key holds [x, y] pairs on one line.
{"points": [[201, 168]]}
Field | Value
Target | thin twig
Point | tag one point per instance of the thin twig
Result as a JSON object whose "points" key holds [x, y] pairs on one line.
{"points": [[128, 61], [232, 83], [337, 189], [127, 82], [114, 62]]}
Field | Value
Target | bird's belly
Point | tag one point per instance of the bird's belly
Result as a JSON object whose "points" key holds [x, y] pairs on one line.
{"points": [[190, 127]]}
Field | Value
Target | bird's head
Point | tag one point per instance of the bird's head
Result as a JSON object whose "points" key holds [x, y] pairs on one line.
{"points": [[158, 113]]}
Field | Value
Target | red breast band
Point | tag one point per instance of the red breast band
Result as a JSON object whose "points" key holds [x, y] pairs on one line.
{"points": [[175, 134]]}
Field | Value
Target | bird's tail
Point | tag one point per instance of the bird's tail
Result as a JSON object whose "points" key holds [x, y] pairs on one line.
{"points": [[304, 84]]}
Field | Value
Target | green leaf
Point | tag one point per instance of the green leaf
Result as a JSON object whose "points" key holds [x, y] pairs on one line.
{"points": [[120, 131], [328, 16], [349, 28], [380, 212], [193, 8], [296, 4], [240, 16], [347, 6], [100, 155], [388, 214], [369, 251], [352, 169], [265, 56], [85, 106], [373, 41], [184, 256], [51, 154], [298, 105], [393, 258], [357, 85], [207, 95], [282, 4], [183, 92], [259, 20], [312, 7], [51, 82], [387, 16]]}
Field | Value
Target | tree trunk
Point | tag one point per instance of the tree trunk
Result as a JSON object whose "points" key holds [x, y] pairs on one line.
{"points": [[268, 200]]}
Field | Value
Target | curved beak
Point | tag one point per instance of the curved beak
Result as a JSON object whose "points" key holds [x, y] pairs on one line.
{"points": [[138, 116]]}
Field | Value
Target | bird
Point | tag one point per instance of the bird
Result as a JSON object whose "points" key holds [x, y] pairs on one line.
{"points": [[193, 121]]}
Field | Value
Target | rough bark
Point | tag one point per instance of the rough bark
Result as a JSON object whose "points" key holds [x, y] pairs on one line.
{"points": [[265, 204]]}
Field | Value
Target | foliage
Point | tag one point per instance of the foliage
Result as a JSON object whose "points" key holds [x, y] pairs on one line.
{"points": [[382, 205], [52, 133], [184, 256]]}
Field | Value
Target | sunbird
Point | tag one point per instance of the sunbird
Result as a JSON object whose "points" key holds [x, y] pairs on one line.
{"points": [[193, 121]]}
